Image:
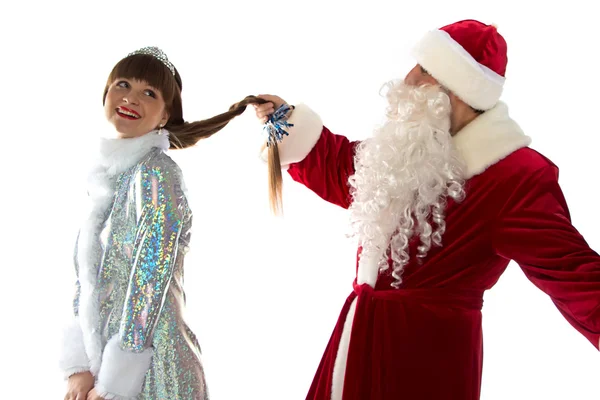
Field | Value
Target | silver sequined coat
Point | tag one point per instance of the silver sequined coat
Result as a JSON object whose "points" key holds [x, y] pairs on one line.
{"points": [[128, 328]]}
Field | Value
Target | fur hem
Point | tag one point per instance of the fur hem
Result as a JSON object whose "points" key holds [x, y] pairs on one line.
{"points": [[452, 66], [73, 357], [341, 359], [88, 298], [123, 372], [303, 136]]}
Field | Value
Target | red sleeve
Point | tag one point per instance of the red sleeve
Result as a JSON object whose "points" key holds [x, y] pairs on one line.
{"points": [[535, 231], [327, 167]]}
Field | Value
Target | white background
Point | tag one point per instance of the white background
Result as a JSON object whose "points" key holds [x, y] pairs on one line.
{"points": [[264, 293]]}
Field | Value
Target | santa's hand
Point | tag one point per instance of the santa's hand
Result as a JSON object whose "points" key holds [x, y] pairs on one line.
{"points": [[79, 386], [264, 111]]}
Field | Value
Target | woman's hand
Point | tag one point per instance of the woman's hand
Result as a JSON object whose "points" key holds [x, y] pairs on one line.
{"points": [[79, 385], [264, 111], [93, 395]]}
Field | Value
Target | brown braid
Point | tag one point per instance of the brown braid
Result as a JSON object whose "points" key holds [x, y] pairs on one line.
{"points": [[187, 134]]}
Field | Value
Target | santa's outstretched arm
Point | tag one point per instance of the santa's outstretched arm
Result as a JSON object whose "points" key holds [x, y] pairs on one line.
{"points": [[317, 158], [535, 230]]}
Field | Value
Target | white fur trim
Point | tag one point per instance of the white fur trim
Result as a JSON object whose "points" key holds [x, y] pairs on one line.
{"points": [[489, 138], [73, 358], [123, 372], [341, 359], [303, 136], [452, 66], [368, 271], [116, 156]]}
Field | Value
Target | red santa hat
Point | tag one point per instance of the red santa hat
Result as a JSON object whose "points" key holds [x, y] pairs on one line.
{"points": [[467, 57]]}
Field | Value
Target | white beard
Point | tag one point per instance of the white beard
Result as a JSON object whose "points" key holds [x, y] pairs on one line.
{"points": [[404, 174]]}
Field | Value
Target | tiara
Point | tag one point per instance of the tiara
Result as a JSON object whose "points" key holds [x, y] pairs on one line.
{"points": [[156, 53]]}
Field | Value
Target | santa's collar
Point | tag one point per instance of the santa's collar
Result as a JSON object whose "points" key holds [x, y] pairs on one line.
{"points": [[488, 139], [118, 155]]}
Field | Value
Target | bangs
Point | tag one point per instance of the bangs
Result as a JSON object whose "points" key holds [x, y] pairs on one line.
{"points": [[146, 68]]}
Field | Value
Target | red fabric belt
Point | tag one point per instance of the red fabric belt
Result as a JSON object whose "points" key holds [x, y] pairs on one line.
{"points": [[463, 298]]}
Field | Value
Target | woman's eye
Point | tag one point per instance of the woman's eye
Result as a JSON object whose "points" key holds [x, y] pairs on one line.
{"points": [[123, 84], [150, 93]]}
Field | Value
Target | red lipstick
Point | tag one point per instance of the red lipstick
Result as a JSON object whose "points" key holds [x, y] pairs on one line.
{"points": [[127, 113]]}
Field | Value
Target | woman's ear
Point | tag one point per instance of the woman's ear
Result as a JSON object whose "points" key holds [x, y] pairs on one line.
{"points": [[164, 119]]}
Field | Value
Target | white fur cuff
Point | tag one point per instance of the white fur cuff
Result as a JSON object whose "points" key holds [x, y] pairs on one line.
{"points": [[302, 136], [122, 372], [73, 358]]}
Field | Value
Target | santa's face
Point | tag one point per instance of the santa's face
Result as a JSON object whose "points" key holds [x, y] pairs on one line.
{"points": [[461, 113], [418, 76]]}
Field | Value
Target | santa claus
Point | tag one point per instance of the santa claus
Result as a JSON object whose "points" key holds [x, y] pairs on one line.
{"points": [[441, 198]]}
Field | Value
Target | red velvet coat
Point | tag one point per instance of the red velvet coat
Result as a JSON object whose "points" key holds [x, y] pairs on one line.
{"points": [[424, 340]]}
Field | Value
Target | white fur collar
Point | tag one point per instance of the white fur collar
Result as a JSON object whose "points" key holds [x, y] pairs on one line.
{"points": [[118, 155], [489, 138]]}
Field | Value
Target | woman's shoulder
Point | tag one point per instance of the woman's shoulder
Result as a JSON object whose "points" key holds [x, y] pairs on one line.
{"points": [[159, 162], [158, 166]]}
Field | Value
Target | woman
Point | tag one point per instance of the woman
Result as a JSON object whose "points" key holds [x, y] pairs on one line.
{"points": [[128, 339]]}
